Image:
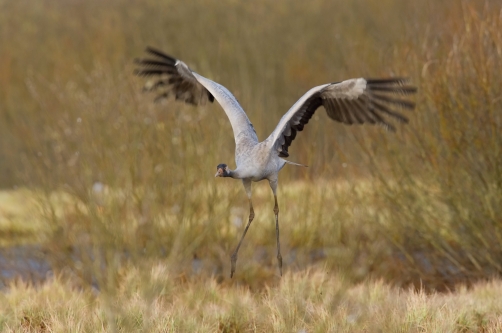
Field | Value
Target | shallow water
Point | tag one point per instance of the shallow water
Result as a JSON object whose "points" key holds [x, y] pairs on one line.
{"points": [[31, 264], [23, 262]]}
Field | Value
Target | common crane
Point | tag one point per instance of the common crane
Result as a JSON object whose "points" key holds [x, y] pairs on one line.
{"points": [[354, 101]]}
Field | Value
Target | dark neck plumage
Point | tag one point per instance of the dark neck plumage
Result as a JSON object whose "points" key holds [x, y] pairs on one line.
{"points": [[232, 174]]}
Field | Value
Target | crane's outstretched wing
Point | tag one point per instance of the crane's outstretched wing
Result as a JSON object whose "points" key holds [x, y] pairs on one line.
{"points": [[354, 101], [174, 77]]}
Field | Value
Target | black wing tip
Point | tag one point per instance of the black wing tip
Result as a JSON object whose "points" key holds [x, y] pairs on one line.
{"points": [[147, 72], [158, 63], [409, 105], [390, 80], [283, 154], [392, 85], [390, 88], [153, 50], [139, 72], [161, 54], [210, 97], [145, 61]]}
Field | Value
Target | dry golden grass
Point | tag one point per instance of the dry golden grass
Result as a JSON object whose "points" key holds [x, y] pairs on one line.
{"points": [[120, 194], [310, 301]]}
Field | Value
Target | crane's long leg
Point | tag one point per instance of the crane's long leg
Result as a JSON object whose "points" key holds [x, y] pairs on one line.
{"points": [[276, 211], [273, 185], [233, 258]]}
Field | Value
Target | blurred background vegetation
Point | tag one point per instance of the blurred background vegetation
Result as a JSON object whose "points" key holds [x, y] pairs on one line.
{"points": [[105, 178]]}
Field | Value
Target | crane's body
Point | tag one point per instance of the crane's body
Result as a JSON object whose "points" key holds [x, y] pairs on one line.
{"points": [[254, 160], [354, 101]]}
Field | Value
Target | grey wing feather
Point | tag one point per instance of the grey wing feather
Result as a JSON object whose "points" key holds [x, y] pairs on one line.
{"points": [[354, 101], [174, 77]]}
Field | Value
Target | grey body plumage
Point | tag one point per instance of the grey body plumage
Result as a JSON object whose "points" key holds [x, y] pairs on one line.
{"points": [[354, 101]]}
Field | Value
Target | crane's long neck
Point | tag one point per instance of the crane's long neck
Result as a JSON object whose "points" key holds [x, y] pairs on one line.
{"points": [[235, 174]]}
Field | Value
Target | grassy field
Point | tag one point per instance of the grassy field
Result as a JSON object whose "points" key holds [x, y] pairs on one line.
{"points": [[119, 192], [310, 301]]}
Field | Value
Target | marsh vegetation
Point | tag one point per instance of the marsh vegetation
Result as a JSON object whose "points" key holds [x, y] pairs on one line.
{"points": [[119, 196]]}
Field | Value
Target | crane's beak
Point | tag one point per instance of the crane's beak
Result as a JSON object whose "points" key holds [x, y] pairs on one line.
{"points": [[219, 172]]}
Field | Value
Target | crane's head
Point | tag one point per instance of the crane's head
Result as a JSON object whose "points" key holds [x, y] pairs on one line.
{"points": [[222, 170]]}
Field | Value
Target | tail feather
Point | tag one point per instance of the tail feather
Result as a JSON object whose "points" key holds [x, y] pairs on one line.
{"points": [[297, 164]]}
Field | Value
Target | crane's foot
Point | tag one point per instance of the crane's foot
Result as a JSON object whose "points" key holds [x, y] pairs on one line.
{"points": [[233, 261], [279, 259]]}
